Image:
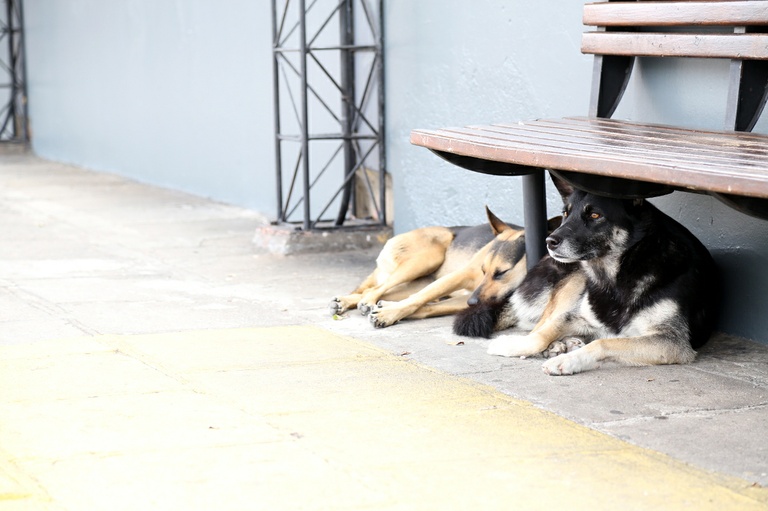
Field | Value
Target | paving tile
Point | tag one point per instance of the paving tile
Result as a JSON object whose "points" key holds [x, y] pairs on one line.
{"points": [[245, 348], [16, 494], [438, 433], [115, 425], [64, 267], [624, 392], [19, 491], [699, 435], [79, 375], [276, 476], [52, 348], [30, 331], [336, 385], [22, 309], [561, 481], [163, 315]]}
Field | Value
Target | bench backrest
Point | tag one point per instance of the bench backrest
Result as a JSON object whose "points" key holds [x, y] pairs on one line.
{"points": [[736, 30]]}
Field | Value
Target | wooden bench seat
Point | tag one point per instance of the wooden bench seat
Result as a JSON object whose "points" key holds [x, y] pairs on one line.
{"points": [[631, 159], [658, 158]]}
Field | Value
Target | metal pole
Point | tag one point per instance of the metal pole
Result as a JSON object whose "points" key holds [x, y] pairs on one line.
{"points": [[346, 27], [12, 33], [382, 119], [276, 106], [304, 110], [535, 215], [23, 71]]}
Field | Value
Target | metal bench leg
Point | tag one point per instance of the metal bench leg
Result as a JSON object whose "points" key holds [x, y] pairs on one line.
{"points": [[535, 213]]}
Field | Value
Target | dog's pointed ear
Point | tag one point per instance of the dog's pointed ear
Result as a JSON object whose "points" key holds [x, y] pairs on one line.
{"points": [[497, 225], [553, 223], [564, 188]]}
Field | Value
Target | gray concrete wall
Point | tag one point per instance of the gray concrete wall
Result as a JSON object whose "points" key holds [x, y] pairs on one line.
{"points": [[167, 92], [453, 63]]}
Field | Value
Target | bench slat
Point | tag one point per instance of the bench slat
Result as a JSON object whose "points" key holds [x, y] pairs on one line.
{"points": [[652, 44], [659, 136], [526, 139], [666, 14], [696, 160], [664, 147]]}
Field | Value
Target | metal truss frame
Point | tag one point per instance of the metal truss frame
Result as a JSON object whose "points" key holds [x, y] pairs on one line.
{"points": [[355, 104], [14, 126]]}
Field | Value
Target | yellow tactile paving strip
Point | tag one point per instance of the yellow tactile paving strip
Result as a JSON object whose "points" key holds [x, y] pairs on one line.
{"points": [[300, 418]]}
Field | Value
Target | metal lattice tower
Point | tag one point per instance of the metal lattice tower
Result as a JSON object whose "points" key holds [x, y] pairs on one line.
{"points": [[13, 84], [329, 112]]}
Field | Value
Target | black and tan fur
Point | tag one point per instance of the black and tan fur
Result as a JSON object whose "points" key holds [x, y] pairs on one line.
{"points": [[631, 282], [431, 271]]}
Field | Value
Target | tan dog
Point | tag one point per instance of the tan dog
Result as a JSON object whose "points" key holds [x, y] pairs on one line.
{"points": [[432, 271]]}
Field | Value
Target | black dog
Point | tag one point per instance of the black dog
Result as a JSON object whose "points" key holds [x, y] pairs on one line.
{"points": [[622, 276]]}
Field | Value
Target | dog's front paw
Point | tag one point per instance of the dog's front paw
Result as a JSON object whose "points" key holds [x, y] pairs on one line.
{"points": [[557, 366], [514, 346], [566, 345], [569, 363]]}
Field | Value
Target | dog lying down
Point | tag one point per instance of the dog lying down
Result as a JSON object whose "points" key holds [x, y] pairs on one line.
{"points": [[630, 282], [436, 271]]}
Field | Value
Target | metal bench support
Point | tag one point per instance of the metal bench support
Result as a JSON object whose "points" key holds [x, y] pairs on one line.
{"points": [[535, 211]]}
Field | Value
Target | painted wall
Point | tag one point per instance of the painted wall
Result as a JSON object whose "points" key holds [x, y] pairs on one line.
{"points": [[457, 63], [170, 92], [454, 63]]}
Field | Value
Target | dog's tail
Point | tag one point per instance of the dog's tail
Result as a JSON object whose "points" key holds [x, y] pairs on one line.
{"points": [[477, 320]]}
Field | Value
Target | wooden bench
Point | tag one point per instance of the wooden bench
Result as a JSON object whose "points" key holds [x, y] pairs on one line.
{"points": [[630, 159]]}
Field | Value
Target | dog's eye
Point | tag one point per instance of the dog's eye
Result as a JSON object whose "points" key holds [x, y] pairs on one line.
{"points": [[499, 273], [594, 216]]}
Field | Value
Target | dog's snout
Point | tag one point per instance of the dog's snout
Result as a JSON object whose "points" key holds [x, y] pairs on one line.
{"points": [[473, 300], [553, 242]]}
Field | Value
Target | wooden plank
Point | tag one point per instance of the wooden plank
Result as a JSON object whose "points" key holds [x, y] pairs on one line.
{"points": [[620, 136], [619, 151], [642, 44], [628, 135], [659, 149], [740, 137], [666, 14], [706, 153], [662, 135]]}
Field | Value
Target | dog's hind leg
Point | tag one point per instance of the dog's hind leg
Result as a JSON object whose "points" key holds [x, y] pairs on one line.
{"points": [[664, 339], [633, 351], [382, 316], [413, 255]]}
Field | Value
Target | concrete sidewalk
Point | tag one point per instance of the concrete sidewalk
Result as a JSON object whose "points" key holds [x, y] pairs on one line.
{"points": [[151, 360]]}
